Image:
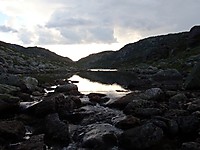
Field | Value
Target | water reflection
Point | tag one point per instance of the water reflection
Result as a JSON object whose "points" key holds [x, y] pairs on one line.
{"points": [[87, 86]]}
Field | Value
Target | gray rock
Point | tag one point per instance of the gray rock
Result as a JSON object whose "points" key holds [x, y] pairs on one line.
{"points": [[30, 83], [188, 124], [11, 131], [194, 36], [153, 94], [141, 137], [8, 89], [57, 132], [190, 146], [193, 80], [99, 136], [168, 74], [67, 88], [35, 142], [177, 101]]}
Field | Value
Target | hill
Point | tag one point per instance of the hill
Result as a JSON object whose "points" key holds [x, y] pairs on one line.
{"points": [[17, 59], [172, 50]]}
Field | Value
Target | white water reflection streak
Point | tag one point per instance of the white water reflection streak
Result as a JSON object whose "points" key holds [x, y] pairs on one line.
{"points": [[86, 86]]}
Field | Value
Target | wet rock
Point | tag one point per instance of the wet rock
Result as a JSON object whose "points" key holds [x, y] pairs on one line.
{"points": [[8, 89], [137, 105], [188, 124], [194, 105], [97, 97], [153, 94], [122, 102], [30, 83], [190, 146], [66, 88], [98, 136], [8, 104], [101, 114], [168, 79], [171, 113], [141, 137], [168, 74], [193, 80], [147, 112], [194, 36], [57, 132], [128, 122], [11, 131], [177, 101], [35, 142]]}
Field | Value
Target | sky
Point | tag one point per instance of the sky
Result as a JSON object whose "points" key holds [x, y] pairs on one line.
{"points": [[77, 28]]}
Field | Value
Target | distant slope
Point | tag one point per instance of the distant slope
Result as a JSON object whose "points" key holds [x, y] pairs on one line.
{"points": [[144, 51], [17, 59]]}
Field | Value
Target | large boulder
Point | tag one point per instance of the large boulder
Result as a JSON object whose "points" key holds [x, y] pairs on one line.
{"points": [[193, 80], [8, 104], [57, 132], [8, 89], [194, 37], [141, 137], [98, 136], [68, 89], [11, 131], [30, 83], [35, 142]]}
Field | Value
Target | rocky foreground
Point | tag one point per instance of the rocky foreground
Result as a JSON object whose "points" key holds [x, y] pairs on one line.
{"points": [[164, 114]]}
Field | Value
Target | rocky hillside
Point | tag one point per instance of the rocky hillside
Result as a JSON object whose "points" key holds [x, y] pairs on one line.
{"points": [[178, 50], [18, 59]]}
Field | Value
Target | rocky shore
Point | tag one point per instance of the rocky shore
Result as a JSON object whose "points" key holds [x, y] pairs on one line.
{"points": [[163, 115]]}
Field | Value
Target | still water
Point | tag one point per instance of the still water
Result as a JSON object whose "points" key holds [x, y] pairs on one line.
{"points": [[86, 86]]}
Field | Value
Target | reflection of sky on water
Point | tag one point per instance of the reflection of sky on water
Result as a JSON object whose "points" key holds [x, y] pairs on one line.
{"points": [[86, 86]]}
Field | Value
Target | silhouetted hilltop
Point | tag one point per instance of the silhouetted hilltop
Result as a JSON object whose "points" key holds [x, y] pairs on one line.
{"points": [[179, 50], [17, 59]]}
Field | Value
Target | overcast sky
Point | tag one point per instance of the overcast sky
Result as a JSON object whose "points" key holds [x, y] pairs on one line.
{"points": [[76, 28]]}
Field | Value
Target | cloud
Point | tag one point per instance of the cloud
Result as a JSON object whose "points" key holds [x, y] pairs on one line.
{"points": [[93, 21], [4, 28]]}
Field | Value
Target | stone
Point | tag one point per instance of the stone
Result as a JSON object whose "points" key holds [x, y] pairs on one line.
{"points": [[98, 136], [193, 80], [177, 101], [153, 94], [11, 131], [128, 122], [122, 102], [190, 146], [66, 88], [188, 125], [8, 89], [57, 132], [30, 83], [141, 137], [194, 36], [35, 142]]}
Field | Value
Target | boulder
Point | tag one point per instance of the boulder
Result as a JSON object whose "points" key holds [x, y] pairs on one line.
{"points": [[190, 146], [68, 89], [8, 104], [97, 97], [98, 136], [11, 131], [177, 101], [8, 89], [188, 125], [30, 83], [193, 80], [168, 74], [194, 37], [128, 122], [35, 142], [57, 132], [141, 137], [153, 94]]}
